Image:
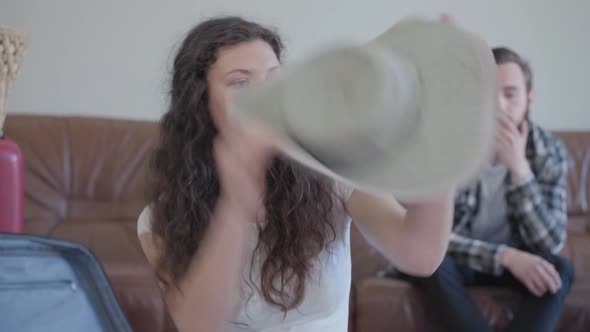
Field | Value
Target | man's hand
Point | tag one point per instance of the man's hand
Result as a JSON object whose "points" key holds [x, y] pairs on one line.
{"points": [[510, 147], [538, 275]]}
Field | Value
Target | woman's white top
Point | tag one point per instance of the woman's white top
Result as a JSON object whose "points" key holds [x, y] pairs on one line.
{"points": [[325, 302]]}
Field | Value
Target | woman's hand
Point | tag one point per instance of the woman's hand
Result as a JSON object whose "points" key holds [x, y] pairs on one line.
{"points": [[243, 154]]}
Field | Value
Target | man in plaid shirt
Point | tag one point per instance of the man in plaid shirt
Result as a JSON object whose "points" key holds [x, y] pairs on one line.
{"points": [[511, 223]]}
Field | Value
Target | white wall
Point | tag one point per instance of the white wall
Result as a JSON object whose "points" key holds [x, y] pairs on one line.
{"points": [[110, 57]]}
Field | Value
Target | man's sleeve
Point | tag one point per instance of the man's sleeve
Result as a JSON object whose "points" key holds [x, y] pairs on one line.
{"points": [[479, 255], [539, 206]]}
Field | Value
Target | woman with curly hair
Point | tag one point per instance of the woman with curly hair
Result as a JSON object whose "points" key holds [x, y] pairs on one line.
{"points": [[242, 238]]}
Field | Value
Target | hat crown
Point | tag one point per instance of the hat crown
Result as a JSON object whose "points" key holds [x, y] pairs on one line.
{"points": [[367, 111]]}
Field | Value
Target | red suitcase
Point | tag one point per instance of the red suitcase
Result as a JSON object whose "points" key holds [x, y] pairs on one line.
{"points": [[11, 186]]}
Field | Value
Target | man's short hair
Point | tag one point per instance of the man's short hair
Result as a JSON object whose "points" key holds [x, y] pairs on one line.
{"points": [[504, 55]]}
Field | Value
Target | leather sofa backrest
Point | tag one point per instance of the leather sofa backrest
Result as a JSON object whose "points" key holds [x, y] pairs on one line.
{"points": [[82, 169]]}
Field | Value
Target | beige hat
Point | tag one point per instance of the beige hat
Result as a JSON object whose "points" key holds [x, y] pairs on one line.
{"points": [[411, 113]]}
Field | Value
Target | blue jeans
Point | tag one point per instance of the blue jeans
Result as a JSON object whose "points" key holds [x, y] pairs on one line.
{"points": [[446, 290]]}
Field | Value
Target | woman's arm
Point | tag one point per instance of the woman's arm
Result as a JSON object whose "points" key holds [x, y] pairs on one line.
{"points": [[415, 240]]}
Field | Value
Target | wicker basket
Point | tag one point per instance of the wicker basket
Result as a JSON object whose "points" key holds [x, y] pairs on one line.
{"points": [[12, 48]]}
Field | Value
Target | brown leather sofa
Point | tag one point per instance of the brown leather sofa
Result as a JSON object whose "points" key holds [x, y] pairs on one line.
{"points": [[85, 181]]}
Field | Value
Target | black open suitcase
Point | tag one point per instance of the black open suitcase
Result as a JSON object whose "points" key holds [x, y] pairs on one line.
{"points": [[49, 285]]}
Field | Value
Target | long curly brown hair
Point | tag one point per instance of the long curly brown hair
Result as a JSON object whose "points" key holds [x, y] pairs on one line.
{"points": [[299, 203]]}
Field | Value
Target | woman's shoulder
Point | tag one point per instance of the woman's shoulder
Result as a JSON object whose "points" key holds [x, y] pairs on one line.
{"points": [[343, 190], [144, 222], [151, 243]]}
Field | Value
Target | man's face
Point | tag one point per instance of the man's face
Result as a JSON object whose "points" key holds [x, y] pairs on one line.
{"points": [[513, 98]]}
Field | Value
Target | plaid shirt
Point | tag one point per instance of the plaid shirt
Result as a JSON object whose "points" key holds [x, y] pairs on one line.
{"points": [[537, 208]]}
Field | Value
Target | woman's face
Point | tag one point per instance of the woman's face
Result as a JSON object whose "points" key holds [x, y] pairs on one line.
{"points": [[237, 67]]}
